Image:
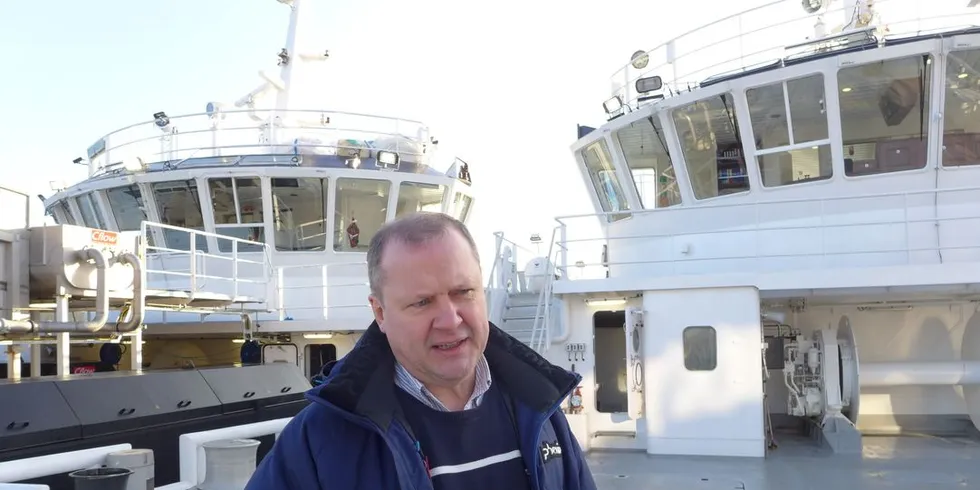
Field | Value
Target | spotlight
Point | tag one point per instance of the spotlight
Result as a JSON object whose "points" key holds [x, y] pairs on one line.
{"points": [[161, 120], [387, 160], [613, 105], [78, 161], [649, 84]]}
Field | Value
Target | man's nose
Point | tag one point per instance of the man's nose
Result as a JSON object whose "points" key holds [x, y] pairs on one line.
{"points": [[447, 314]]}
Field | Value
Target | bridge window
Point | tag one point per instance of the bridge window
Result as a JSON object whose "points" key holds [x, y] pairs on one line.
{"points": [[416, 196], [127, 207], [461, 206], [961, 118], [361, 210], [789, 120], [709, 135], [237, 204], [299, 207], [178, 204], [90, 211], [598, 163], [62, 213], [649, 162], [884, 112]]}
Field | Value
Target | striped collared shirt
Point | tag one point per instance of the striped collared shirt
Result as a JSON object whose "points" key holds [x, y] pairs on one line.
{"points": [[414, 387]]}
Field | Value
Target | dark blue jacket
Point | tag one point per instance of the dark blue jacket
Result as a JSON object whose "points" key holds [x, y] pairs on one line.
{"points": [[354, 434]]}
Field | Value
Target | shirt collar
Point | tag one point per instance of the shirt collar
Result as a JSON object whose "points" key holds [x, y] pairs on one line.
{"points": [[414, 387]]}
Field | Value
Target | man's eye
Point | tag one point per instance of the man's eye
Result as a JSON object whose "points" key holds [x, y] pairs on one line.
{"points": [[421, 303]]}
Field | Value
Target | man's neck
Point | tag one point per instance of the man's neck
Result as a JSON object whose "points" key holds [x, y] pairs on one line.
{"points": [[460, 397]]}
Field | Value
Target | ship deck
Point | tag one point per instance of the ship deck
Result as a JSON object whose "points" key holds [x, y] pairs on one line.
{"points": [[904, 462]]}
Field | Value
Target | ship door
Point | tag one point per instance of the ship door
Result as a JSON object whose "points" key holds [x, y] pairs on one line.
{"points": [[633, 328]]}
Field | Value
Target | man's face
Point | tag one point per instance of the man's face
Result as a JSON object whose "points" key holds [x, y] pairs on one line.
{"points": [[433, 310]]}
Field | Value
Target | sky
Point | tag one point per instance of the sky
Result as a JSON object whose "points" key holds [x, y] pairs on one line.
{"points": [[501, 84]]}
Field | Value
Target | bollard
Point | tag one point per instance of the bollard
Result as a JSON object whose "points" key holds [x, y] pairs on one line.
{"points": [[101, 478], [138, 460], [228, 464]]}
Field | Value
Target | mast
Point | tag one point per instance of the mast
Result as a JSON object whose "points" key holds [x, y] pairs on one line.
{"points": [[298, 60]]}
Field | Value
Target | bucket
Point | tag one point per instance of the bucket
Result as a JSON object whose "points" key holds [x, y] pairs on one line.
{"points": [[101, 478]]}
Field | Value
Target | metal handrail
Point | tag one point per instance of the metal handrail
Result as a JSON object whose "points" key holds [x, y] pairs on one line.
{"points": [[758, 226], [542, 341], [916, 23], [184, 136]]}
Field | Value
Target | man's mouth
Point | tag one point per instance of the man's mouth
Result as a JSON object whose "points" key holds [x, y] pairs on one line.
{"points": [[450, 345]]}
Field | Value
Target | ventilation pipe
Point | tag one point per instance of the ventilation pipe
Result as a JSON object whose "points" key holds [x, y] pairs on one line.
{"points": [[101, 302]]}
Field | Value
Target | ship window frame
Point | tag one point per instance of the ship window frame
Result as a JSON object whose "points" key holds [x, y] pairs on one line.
{"points": [[609, 181], [339, 225], [782, 79], [928, 47], [732, 94], [227, 230], [324, 198], [949, 55], [658, 135]]}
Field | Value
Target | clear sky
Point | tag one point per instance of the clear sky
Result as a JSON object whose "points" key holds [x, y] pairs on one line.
{"points": [[502, 84]]}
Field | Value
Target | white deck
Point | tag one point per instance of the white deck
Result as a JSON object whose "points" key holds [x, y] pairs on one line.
{"points": [[907, 463]]}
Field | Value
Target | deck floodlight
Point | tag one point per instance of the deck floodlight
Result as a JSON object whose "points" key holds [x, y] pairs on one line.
{"points": [[640, 59], [387, 159], [613, 105], [161, 120], [78, 161], [812, 6], [649, 84]]}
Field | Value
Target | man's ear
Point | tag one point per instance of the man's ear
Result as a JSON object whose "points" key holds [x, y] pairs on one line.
{"points": [[379, 311]]}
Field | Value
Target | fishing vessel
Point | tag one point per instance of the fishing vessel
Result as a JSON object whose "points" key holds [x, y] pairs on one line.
{"points": [[779, 286], [208, 266]]}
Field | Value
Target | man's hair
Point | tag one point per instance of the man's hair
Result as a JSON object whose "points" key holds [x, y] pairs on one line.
{"points": [[415, 229]]}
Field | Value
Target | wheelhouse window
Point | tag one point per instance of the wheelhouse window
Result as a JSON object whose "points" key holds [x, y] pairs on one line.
{"points": [[708, 131], [416, 196], [237, 205], [178, 204], [961, 117], [648, 158], [61, 211], [461, 206], [300, 219], [789, 120], [361, 209], [127, 207], [598, 164], [90, 211], [884, 112]]}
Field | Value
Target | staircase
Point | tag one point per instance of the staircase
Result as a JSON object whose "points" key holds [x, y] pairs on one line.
{"points": [[518, 317]]}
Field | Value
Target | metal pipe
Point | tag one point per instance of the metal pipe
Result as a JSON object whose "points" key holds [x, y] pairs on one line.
{"points": [[935, 373], [101, 305], [136, 311]]}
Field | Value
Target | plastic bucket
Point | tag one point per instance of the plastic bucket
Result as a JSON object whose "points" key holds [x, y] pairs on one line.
{"points": [[101, 478]]}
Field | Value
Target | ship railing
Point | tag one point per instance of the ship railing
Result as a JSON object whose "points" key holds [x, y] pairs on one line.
{"points": [[285, 134], [10, 201], [310, 292], [191, 455], [242, 274], [506, 276], [771, 32], [886, 229], [542, 328]]}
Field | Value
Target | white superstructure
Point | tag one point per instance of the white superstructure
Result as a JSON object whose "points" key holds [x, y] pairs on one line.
{"points": [[786, 236]]}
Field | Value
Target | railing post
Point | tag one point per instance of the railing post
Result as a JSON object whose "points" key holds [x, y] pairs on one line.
{"points": [[324, 284], [193, 268], [563, 248], [234, 267], [280, 292]]}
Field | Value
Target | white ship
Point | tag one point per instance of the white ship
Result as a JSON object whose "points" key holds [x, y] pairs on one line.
{"points": [[779, 287]]}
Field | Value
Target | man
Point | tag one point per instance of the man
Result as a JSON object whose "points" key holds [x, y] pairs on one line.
{"points": [[432, 395]]}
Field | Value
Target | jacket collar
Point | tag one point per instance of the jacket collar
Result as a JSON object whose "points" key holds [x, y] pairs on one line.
{"points": [[362, 383]]}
